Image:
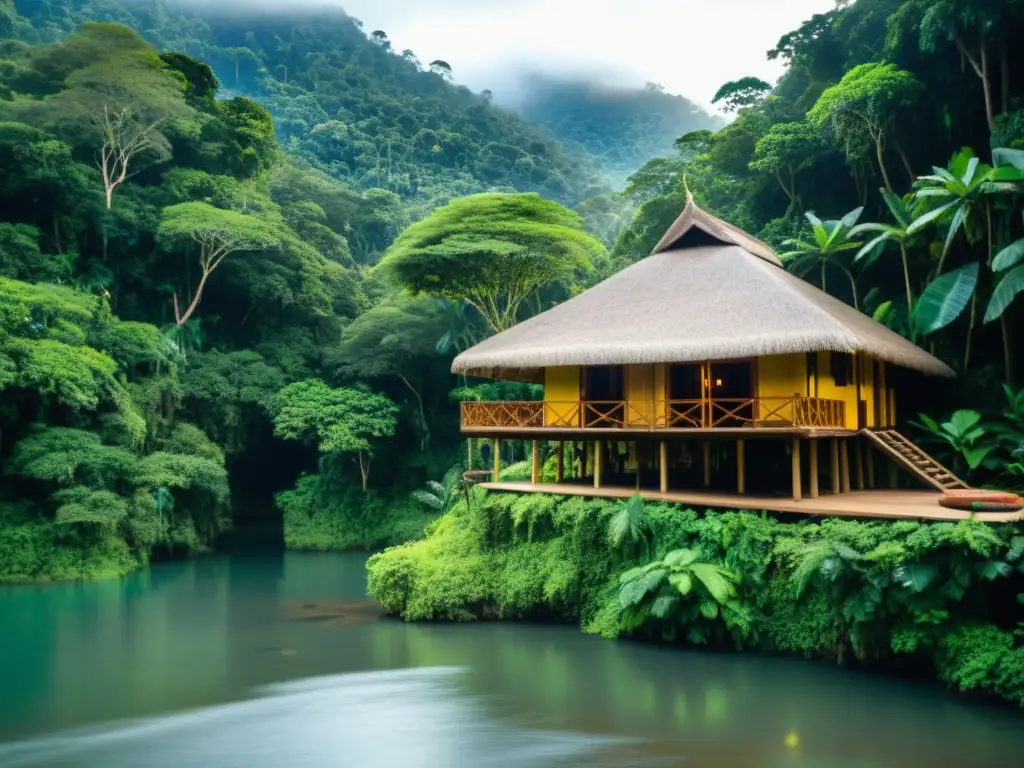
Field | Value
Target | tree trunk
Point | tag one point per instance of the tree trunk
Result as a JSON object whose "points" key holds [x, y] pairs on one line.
{"points": [[182, 319], [981, 70], [824, 284], [853, 287], [364, 470], [906, 162], [419, 402], [880, 153], [970, 330], [906, 278], [1004, 79]]}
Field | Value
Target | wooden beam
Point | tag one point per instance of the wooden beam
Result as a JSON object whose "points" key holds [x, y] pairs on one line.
{"points": [[844, 466], [560, 467], [707, 464], [797, 490], [870, 457], [663, 465], [858, 451], [496, 454], [834, 474], [598, 462], [535, 466], [741, 474], [813, 490]]}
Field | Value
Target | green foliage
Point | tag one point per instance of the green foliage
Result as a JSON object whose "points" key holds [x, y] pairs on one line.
{"points": [[838, 589], [629, 530], [945, 299], [440, 496], [493, 251]]}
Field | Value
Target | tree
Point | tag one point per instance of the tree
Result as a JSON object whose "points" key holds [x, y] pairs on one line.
{"points": [[392, 339], [784, 151], [898, 233], [743, 93], [493, 251], [345, 420], [831, 238], [218, 233], [128, 98], [380, 37], [860, 111], [441, 68]]}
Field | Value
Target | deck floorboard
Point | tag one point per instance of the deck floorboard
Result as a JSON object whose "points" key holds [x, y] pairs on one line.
{"points": [[884, 504]]}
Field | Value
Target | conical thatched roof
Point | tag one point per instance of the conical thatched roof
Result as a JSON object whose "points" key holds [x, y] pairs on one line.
{"points": [[708, 291]]}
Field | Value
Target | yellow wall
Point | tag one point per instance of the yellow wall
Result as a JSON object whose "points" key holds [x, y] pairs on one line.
{"points": [[645, 395], [779, 377], [561, 396]]}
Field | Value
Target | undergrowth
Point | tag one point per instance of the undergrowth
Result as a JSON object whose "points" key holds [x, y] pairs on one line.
{"points": [[872, 593]]}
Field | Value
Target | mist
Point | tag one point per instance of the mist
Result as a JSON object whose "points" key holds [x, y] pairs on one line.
{"points": [[690, 47]]}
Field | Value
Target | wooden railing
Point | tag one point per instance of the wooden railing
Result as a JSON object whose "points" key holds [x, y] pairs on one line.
{"points": [[751, 412]]}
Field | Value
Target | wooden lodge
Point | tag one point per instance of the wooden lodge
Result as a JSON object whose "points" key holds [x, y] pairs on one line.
{"points": [[706, 374]]}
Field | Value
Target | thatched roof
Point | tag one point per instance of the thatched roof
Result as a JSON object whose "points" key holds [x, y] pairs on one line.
{"points": [[707, 292]]}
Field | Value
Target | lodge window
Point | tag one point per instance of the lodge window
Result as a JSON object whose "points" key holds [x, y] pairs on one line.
{"points": [[841, 366]]}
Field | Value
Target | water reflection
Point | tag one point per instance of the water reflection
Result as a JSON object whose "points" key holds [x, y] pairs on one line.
{"points": [[411, 717], [201, 637]]}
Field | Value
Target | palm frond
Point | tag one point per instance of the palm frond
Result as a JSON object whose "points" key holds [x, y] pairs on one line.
{"points": [[718, 581]]}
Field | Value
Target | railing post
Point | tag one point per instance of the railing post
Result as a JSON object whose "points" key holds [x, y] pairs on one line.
{"points": [[797, 483], [834, 474], [663, 465], [740, 473], [844, 466]]}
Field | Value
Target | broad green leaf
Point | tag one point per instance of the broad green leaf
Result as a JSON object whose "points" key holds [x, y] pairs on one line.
{"points": [[962, 420], [680, 558], [870, 246], [718, 581], [993, 569], [709, 609], [663, 606], [897, 208], [917, 576], [633, 592], [972, 166], [1004, 294], [954, 226], [1003, 156], [683, 583], [923, 221], [1009, 256], [974, 456], [945, 298], [882, 312]]}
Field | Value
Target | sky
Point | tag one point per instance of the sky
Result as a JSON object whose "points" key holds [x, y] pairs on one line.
{"points": [[689, 46]]}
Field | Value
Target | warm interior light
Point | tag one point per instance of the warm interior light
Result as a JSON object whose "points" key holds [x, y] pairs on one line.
{"points": [[718, 382]]}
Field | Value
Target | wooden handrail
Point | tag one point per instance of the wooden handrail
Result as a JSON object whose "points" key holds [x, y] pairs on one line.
{"points": [[751, 412]]}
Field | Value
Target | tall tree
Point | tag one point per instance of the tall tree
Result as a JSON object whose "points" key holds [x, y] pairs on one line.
{"points": [[218, 234], [493, 251], [861, 110]]}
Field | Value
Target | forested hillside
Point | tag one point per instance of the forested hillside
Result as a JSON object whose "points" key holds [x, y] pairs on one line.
{"points": [[345, 101], [625, 127]]}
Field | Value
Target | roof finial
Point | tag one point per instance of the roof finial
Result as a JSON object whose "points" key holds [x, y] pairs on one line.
{"points": [[689, 194]]}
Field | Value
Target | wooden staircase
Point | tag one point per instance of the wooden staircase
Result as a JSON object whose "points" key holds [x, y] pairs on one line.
{"points": [[919, 463]]}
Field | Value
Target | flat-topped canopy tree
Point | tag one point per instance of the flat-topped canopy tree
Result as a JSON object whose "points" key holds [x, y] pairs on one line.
{"points": [[492, 250], [219, 233]]}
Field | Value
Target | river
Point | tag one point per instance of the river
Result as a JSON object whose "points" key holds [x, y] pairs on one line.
{"points": [[268, 661]]}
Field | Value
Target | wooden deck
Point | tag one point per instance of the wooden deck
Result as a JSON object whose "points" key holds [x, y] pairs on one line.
{"points": [[887, 504]]}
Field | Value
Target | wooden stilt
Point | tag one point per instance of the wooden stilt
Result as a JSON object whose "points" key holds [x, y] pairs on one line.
{"points": [[797, 484], [741, 475], [870, 457], [598, 462], [588, 452], [834, 474], [858, 453], [496, 453], [707, 465], [812, 445], [844, 466], [663, 465], [894, 474], [469, 453], [535, 465], [560, 466]]}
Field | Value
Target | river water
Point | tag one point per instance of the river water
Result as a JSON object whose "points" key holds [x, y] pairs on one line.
{"points": [[280, 660]]}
